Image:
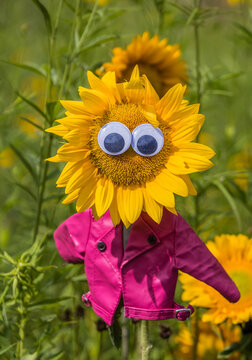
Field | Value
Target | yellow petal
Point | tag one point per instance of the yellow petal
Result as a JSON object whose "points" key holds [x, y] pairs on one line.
{"points": [[103, 196], [87, 195], [133, 203], [120, 204], [195, 148], [71, 197], [178, 166], [76, 122], [191, 189], [110, 80], [98, 84], [77, 137], [153, 209], [69, 169], [75, 107], [94, 101], [135, 74], [195, 161], [59, 130], [172, 182], [188, 130], [68, 152], [151, 97], [80, 177], [170, 102], [160, 195], [55, 158], [115, 217], [149, 113], [172, 210]]}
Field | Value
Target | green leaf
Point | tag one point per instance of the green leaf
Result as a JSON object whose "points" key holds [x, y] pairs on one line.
{"points": [[98, 41], [32, 104], [9, 258], [4, 350], [229, 350], [231, 202], [46, 16], [243, 346], [27, 66], [25, 163], [26, 189], [53, 109], [50, 301], [115, 333], [32, 123]]}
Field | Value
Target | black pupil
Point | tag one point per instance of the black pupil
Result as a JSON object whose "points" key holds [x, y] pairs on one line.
{"points": [[114, 143], [147, 144]]}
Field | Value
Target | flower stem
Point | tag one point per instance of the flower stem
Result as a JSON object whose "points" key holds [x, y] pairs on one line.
{"points": [[196, 26], [43, 169], [145, 345]]}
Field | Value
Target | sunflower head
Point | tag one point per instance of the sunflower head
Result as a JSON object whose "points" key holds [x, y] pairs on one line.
{"points": [[234, 252], [159, 61], [127, 150]]}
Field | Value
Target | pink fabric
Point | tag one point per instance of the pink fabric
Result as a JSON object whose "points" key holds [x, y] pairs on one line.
{"points": [[145, 275]]}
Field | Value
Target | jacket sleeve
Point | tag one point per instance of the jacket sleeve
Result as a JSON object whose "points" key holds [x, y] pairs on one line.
{"points": [[71, 237], [193, 257]]}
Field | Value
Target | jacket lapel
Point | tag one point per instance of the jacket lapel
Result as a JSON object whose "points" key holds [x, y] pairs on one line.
{"points": [[138, 242]]}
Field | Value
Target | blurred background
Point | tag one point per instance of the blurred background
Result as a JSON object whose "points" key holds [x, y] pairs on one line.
{"points": [[42, 314]]}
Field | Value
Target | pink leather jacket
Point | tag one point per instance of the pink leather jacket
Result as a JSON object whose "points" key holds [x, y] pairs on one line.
{"points": [[145, 274]]}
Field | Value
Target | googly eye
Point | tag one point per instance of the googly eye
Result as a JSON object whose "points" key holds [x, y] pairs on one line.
{"points": [[114, 138], [147, 140]]}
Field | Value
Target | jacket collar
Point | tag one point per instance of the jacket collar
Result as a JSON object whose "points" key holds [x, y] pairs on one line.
{"points": [[138, 239]]}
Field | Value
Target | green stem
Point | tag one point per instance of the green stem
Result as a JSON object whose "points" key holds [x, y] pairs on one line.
{"points": [[43, 169], [125, 338], [195, 336], [21, 333], [69, 51], [196, 25], [145, 345]]}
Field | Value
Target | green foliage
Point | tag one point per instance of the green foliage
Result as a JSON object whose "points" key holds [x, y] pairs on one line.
{"points": [[45, 53]]}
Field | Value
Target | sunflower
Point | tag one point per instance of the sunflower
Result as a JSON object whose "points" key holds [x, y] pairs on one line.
{"points": [[158, 61], [242, 162], [234, 252], [210, 342], [7, 157], [127, 150]]}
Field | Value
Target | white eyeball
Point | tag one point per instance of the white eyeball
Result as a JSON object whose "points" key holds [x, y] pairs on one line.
{"points": [[114, 138], [147, 140]]}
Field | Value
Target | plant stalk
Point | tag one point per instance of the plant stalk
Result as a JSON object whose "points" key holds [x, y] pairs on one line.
{"points": [[196, 25], [145, 345]]}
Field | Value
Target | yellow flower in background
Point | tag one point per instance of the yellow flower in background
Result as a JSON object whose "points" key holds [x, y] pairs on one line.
{"points": [[235, 2], [127, 150], [234, 252], [241, 161], [35, 86], [211, 341], [28, 128], [159, 61], [7, 157], [206, 138], [100, 2]]}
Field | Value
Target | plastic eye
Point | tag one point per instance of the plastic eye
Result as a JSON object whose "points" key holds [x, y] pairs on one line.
{"points": [[114, 138], [147, 140]]}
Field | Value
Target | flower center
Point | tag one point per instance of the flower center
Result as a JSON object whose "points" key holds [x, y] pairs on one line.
{"points": [[242, 280], [128, 168]]}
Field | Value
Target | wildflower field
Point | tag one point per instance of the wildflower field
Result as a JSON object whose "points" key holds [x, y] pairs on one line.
{"points": [[56, 50]]}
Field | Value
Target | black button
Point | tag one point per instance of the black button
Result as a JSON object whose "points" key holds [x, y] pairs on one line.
{"points": [[152, 239], [101, 246]]}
